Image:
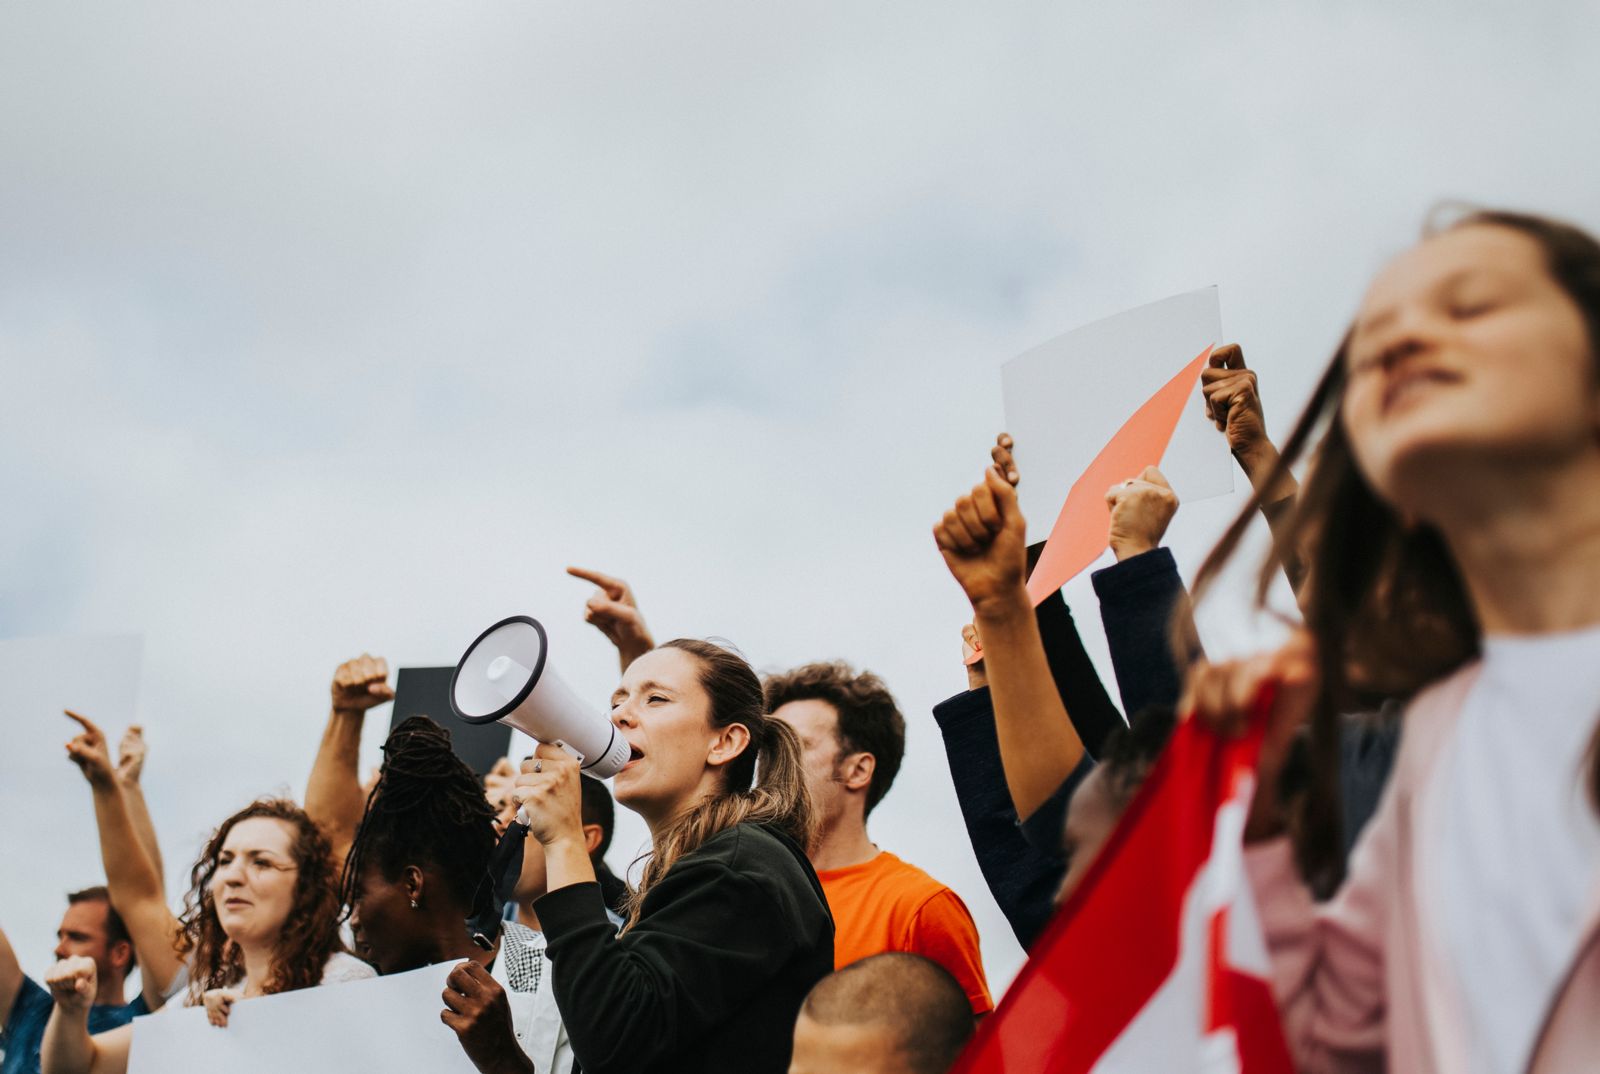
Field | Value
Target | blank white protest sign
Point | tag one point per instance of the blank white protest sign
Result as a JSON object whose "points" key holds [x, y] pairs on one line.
{"points": [[1065, 399], [380, 1023]]}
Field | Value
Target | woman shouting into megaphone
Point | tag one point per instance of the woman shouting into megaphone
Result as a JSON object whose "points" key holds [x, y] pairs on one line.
{"points": [[728, 929]]}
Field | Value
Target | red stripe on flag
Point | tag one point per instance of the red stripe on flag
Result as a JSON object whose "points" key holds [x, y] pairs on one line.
{"points": [[1116, 941]]}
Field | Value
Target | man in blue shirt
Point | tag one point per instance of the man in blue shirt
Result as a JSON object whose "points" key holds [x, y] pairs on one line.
{"points": [[90, 928]]}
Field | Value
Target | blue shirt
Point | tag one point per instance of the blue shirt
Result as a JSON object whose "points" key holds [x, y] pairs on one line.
{"points": [[23, 1032]]}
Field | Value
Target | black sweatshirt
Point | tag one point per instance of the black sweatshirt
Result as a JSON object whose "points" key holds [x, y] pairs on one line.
{"points": [[712, 975]]}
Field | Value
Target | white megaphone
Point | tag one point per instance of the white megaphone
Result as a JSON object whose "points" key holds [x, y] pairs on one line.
{"points": [[506, 676]]}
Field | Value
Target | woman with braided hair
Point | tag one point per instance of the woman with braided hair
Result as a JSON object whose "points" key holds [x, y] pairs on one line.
{"points": [[729, 928], [261, 916], [418, 868]]}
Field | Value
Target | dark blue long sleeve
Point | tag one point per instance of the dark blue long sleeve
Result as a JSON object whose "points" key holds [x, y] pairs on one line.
{"points": [[1022, 879], [1022, 863], [1140, 600]]}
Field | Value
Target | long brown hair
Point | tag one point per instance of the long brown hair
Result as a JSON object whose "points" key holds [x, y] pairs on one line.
{"points": [[310, 933], [1383, 599], [772, 793]]}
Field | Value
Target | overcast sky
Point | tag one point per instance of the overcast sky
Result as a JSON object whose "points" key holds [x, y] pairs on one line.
{"points": [[340, 328]]}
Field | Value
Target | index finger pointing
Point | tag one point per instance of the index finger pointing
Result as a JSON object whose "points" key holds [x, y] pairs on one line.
{"points": [[88, 724], [614, 587]]}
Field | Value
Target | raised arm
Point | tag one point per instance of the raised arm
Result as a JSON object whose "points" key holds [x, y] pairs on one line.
{"points": [[67, 1047], [615, 613], [1143, 604], [333, 792], [982, 541], [137, 892], [1233, 402], [130, 767]]}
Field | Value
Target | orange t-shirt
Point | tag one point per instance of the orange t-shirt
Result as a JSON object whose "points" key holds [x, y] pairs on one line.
{"points": [[886, 904]]}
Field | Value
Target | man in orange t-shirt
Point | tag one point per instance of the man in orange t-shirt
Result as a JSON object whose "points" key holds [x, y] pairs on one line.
{"points": [[854, 738]]}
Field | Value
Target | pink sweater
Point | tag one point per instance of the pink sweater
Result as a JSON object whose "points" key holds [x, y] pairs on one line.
{"points": [[1356, 977]]}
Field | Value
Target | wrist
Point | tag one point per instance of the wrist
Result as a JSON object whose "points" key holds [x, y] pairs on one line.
{"points": [[1129, 548], [512, 1061], [1003, 605], [1256, 457]]}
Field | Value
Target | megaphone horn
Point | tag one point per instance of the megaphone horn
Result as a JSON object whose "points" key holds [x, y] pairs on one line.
{"points": [[505, 676]]}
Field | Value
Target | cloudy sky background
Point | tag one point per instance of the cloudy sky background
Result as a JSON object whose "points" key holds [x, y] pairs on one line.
{"points": [[331, 328]]}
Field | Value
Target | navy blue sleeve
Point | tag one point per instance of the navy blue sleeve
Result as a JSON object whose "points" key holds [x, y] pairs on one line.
{"points": [[1020, 877], [1022, 863], [1140, 599], [1043, 827]]}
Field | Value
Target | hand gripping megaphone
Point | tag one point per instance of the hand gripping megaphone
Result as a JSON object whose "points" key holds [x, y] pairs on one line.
{"points": [[505, 675]]}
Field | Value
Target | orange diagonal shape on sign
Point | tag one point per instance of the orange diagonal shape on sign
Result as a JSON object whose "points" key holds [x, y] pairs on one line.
{"points": [[1080, 532]]}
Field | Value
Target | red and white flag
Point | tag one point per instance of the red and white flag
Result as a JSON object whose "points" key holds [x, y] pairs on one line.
{"points": [[1156, 962]]}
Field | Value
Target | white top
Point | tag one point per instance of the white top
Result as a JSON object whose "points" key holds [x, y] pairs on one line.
{"points": [[339, 968], [1516, 857], [522, 968]]}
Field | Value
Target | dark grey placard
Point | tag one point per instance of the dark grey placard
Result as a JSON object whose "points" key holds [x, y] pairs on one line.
{"points": [[426, 692]]}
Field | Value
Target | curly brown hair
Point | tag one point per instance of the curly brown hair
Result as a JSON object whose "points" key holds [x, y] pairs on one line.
{"points": [[310, 934], [869, 720]]}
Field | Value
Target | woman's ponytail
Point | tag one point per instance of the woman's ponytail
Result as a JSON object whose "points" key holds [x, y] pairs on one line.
{"points": [[765, 784]]}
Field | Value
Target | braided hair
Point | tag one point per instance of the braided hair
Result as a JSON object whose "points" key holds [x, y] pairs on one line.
{"points": [[427, 808]]}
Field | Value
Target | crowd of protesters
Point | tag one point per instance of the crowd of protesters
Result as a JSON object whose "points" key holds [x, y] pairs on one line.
{"points": [[1423, 843]]}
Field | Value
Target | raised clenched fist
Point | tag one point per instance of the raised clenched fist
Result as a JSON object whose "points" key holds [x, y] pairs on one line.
{"points": [[1141, 509], [983, 543], [361, 684], [72, 983]]}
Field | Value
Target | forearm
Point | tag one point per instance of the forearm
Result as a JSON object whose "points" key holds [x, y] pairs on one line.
{"points": [[333, 792], [1078, 684], [140, 812], [1260, 463], [1038, 744], [131, 875], [67, 1047], [136, 890]]}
